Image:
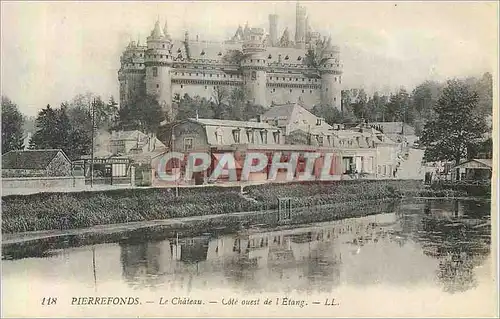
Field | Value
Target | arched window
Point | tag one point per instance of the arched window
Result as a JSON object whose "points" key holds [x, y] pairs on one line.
{"points": [[254, 75]]}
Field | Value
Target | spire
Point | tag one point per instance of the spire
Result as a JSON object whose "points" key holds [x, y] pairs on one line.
{"points": [[165, 30], [157, 31]]}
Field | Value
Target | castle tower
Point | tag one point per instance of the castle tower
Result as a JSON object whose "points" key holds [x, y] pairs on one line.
{"points": [[254, 66], [131, 73], [158, 63], [273, 29], [300, 27], [331, 75]]}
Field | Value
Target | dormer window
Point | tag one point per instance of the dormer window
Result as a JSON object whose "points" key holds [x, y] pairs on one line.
{"points": [[202, 52], [320, 140], [236, 136], [250, 136], [179, 50], [219, 54], [269, 57], [276, 136], [286, 58], [263, 136], [318, 121], [299, 58]]}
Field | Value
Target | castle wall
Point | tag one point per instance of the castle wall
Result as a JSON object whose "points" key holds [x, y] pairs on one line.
{"points": [[133, 86], [279, 95]]}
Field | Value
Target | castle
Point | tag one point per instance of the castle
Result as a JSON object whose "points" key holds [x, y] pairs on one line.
{"points": [[271, 71]]}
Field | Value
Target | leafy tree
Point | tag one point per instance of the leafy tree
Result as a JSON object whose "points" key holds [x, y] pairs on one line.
{"points": [[457, 127], [220, 96], [143, 113], [55, 130], [12, 126]]}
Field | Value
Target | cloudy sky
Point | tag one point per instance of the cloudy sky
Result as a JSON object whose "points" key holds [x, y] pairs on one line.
{"points": [[52, 51]]}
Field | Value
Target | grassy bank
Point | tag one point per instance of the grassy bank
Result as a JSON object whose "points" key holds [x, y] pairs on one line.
{"points": [[214, 226], [47, 211]]}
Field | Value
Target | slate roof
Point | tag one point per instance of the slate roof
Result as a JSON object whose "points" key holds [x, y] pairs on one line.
{"points": [[29, 159], [487, 163], [394, 127], [217, 122]]}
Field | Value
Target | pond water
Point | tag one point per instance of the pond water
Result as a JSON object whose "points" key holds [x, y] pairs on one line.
{"points": [[428, 257]]}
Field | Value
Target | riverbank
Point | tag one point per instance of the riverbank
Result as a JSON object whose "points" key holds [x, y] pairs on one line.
{"points": [[65, 211]]}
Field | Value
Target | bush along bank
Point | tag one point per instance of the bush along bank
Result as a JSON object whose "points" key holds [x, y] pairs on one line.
{"points": [[48, 211]]}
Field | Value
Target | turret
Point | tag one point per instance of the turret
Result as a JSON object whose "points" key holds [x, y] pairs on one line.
{"points": [[131, 73], [331, 75], [158, 66], [254, 66], [273, 29], [300, 27]]}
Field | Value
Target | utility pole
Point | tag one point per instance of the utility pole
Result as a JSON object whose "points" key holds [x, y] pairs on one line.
{"points": [[92, 114]]}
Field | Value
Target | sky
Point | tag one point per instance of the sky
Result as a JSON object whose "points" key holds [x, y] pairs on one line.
{"points": [[51, 51]]}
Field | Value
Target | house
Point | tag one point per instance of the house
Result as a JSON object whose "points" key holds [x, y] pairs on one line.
{"points": [[205, 134], [397, 131], [475, 169], [292, 116], [36, 163]]}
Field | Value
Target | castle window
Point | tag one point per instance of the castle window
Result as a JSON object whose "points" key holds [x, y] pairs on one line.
{"points": [[196, 74], [254, 75], [318, 121], [290, 90], [134, 55], [316, 80], [182, 86], [155, 71], [296, 79], [217, 75], [326, 89], [251, 60], [274, 90], [335, 99], [205, 87], [157, 86], [224, 75], [161, 56], [310, 91], [335, 79], [164, 46], [231, 76], [302, 91], [210, 75], [189, 73], [340, 79]]}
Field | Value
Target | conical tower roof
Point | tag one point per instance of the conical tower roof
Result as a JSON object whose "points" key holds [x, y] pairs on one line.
{"points": [[157, 31]]}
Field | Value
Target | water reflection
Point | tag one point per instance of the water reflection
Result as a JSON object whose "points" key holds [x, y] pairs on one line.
{"points": [[432, 242], [445, 239]]}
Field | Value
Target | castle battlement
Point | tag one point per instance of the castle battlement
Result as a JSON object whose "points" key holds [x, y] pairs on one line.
{"points": [[270, 71]]}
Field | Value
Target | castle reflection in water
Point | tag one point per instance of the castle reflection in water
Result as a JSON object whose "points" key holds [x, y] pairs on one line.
{"points": [[448, 241]]}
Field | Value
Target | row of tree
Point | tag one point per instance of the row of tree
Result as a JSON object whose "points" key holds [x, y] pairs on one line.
{"points": [[414, 108]]}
